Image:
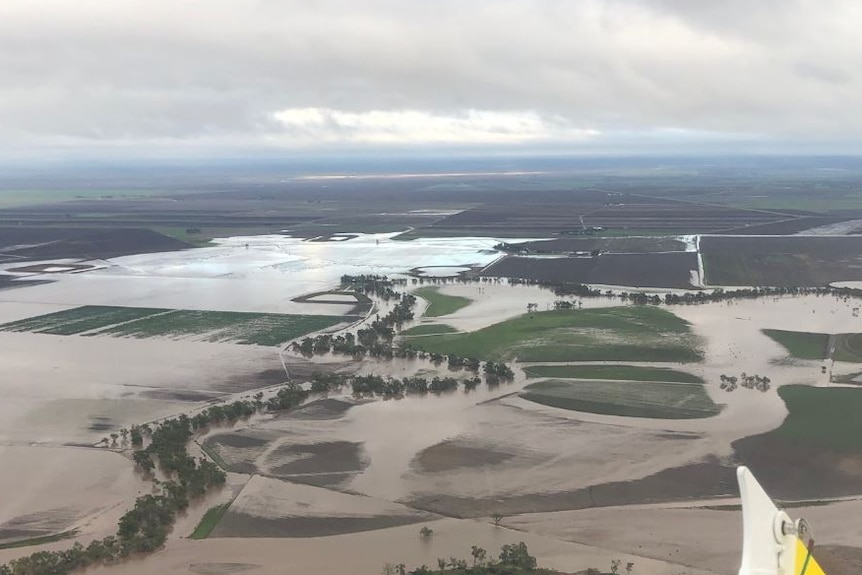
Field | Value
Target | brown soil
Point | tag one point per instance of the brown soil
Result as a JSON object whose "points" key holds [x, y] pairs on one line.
{"points": [[220, 568], [793, 471], [671, 270], [100, 244], [450, 455], [244, 525], [325, 457], [782, 261], [839, 560], [322, 409], [701, 480]]}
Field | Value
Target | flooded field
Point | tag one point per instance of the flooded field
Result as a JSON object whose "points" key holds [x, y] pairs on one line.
{"points": [[345, 482], [250, 274]]}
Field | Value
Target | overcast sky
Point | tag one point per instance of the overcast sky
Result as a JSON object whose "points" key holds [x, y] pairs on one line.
{"points": [[590, 75]]}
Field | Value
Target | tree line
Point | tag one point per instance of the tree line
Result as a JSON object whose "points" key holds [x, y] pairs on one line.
{"points": [[363, 386], [514, 559]]}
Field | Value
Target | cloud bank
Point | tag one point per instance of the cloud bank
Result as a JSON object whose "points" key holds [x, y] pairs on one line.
{"points": [[241, 74]]}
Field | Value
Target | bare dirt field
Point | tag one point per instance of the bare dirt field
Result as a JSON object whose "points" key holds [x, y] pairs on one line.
{"points": [[657, 270], [781, 261]]}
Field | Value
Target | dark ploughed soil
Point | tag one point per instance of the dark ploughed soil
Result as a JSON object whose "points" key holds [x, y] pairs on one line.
{"points": [[671, 270], [610, 245], [180, 395], [709, 478], [322, 409], [324, 457], [101, 244], [11, 282], [786, 227], [237, 440], [450, 455], [220, 568], [781, 261], [330, 480], [243, 525], [790, 470], [838, 559]]}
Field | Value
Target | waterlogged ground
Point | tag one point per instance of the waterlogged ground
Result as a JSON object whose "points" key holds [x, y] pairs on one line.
{"points": [[385, 467], [250, 274]]}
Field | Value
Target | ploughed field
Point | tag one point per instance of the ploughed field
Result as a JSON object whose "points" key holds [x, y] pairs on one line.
{"points": [[212, 326], [797, 261], [669, 270]]}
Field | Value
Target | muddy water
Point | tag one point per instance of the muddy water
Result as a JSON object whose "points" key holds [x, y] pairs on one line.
{"points": [[366, 553], [75, 389], [496, 302], [394, 432], [57, 489]]}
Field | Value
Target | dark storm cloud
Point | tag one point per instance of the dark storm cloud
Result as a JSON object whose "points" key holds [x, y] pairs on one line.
{"points": [[239, 73]]}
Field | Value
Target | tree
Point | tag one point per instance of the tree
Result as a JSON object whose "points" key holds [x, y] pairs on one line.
{"points": [[629, 567], [517, 555], [426, 532], [478, 555], [615, 566], [497, 518]]}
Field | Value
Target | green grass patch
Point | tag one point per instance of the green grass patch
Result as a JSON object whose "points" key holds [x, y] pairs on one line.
{"points": [[823, 418], [800, 344], [630, 333], [616, 372], [626, 398], [440, 304], [213, 326], [39, 540], [429, 329], [209, 521]]}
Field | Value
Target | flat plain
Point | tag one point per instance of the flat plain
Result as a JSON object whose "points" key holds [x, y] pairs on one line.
{"points": [[614, 431]]}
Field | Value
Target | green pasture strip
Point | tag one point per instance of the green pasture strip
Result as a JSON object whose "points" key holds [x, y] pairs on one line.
{"points": [[429, 329], [629, 333], [440, 304], [615, 372], [800, 344], [630, 399], [208, 522]]}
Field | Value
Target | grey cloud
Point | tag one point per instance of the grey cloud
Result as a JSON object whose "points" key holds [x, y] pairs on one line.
{"points": [[193, 71]]}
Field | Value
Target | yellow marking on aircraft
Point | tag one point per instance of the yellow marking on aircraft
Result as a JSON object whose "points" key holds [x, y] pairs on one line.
{"points": [[811, 568]]}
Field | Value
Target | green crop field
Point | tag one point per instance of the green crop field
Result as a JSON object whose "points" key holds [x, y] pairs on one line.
{"points": [[212, 326], [80, 319], [630, 333], [848, 347], [616, 372], [625, 398], [440, 304], [804, 345], [826, 418], [429, 329], [799, 344]]}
